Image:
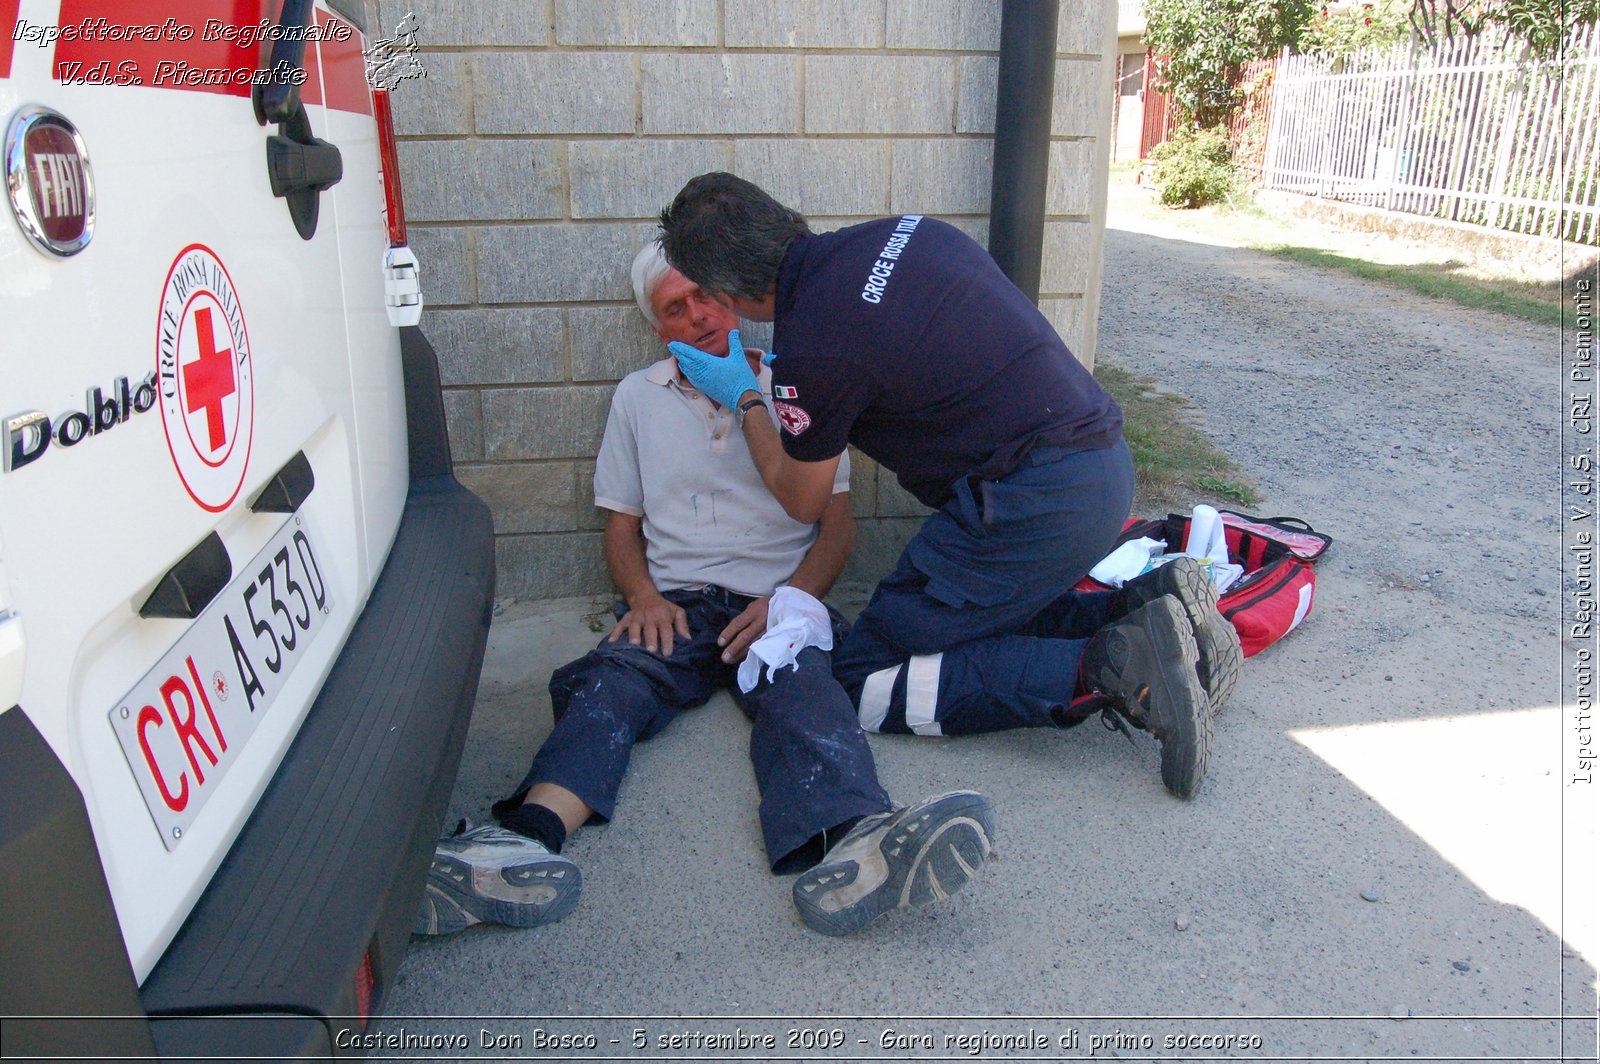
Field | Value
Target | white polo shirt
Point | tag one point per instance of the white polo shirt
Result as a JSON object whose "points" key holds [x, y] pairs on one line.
{"points": [[673, 458]]}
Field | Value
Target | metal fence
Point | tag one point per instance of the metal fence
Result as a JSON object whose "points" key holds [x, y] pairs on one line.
{"points": [[1160, 117], [1472, 131], [1247, 126]]}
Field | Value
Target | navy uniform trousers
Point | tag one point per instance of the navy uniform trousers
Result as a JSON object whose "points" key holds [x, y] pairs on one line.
{"points": [[976, 629], [812, 763]]}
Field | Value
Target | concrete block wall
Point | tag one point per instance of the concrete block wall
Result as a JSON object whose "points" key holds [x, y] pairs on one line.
{"points": [[547, 136]]}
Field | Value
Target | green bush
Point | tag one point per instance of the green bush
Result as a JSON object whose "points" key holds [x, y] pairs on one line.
{"points": [[1195, 168], [1205, 45]]}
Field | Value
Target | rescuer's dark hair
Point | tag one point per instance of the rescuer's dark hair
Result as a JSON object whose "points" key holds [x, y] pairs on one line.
{"points": [[728, 236]]}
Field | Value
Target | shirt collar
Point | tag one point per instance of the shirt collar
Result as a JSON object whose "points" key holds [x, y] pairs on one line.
{"points": [[663, 372]]}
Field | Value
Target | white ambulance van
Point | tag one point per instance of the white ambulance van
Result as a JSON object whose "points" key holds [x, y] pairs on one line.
{"points": [[243, 601]]}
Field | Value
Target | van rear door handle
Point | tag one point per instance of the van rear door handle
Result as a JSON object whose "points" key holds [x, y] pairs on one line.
{"points": [[298, 161], [299, 166]]}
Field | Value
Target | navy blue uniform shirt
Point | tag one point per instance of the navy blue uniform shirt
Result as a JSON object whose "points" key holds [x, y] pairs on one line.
{"points": [[903, 337]]}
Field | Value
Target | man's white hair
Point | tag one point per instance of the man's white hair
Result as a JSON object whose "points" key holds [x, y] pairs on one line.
{"points": [[649, 267]]}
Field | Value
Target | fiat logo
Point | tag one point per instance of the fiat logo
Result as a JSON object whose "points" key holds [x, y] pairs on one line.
{"points": [[49, 181]]}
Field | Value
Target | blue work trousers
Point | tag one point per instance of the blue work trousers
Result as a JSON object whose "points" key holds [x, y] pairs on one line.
{"points": [[812, 764], [977, 628]]}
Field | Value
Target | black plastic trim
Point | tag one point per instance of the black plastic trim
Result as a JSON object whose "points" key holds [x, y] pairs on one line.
{"points": [[288, 488], [429, 441], [61, 945], [189, 586], [279, 97]]}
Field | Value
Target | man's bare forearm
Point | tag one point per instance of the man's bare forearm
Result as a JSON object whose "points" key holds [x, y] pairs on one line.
{"points": [[624, 549], [823, 563]]}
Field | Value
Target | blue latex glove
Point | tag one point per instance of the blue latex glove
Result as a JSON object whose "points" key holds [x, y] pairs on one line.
{"points": [[722, 380]]}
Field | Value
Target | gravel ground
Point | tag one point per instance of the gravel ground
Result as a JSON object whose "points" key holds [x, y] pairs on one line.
{"points": [[1373, 870], [1425, 438], [1422, 435]]}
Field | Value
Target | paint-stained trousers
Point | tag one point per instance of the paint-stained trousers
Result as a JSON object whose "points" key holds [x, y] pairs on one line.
{"points": [[812, 764], [976, 629]]}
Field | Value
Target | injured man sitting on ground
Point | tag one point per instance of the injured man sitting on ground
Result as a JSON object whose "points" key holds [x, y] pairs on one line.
{"points": [[719, 585]]}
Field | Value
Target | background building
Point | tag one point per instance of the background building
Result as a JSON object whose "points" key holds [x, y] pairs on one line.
{"points": [[1128, 103]]}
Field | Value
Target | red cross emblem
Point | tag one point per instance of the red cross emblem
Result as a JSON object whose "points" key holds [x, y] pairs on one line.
{"points": [[209, 379], [205, 377], [793, 419]]}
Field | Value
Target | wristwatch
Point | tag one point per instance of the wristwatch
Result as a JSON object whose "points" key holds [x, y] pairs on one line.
{"points": [[747, 406]]}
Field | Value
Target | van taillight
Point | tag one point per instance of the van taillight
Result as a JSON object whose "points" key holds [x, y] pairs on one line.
{"points": [[366, 982], [394, 201]]}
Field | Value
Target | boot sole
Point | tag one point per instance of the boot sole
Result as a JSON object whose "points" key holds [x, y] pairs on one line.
{"points": [[930, 856], [456, 900], [1216, 641], [1187, 712]]}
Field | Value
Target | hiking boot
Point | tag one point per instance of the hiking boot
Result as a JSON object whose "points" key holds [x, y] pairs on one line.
{"points": [[1146, 661], [1217, 642], [488, 874], [895, 860]]}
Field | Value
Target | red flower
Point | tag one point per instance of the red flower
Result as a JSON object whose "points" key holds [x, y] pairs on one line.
{"points": [[1369, 22]]}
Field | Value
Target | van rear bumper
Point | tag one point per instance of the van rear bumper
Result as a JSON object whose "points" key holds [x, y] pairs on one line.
{"points": [[323, 882], [302, 930]]}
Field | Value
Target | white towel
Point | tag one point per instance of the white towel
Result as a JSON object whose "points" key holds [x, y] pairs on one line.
{"points": [[1127, 561], [795, 621]]}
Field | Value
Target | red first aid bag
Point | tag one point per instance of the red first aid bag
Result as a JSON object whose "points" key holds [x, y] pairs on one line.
{"points": [[1276, 591]]}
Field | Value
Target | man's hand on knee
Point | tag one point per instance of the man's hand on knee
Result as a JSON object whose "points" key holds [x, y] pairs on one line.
{"points": [[652, 625], [743, 630]]}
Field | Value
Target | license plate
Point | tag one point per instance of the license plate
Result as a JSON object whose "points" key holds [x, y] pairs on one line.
{"points": [[185, 723]]}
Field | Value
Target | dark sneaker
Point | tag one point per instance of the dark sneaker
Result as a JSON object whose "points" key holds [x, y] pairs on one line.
{"points": [[1146, 661], [490, 875], [895, 860], [1217, 642]]}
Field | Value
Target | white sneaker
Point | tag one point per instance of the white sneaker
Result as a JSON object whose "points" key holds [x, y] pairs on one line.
{"points": [[490, 874], [905, 857]]}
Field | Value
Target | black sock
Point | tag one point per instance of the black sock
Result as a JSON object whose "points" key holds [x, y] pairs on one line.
{"points": [[809, 853], [831, 837], [538, 823]]}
